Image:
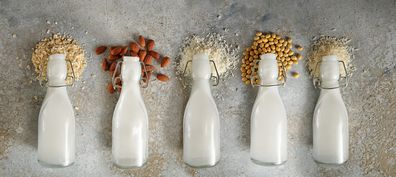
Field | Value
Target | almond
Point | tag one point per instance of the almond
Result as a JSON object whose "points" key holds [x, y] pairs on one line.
{"points": [[134, 47], [149, 68], [147, 77], [148, 60], [142, 41], [154, 54], [133, 54], [142, 54], [113, 57], [113, 66], [115, 50], [99, 50], [124, 50], [118, 72], [119, 84], [105, 65], [162, 77], [150, 45], [165, 61], [110, 88]]}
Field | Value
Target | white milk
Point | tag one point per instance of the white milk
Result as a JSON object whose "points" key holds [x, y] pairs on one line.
{"points": [[201, 124], [56, 124], [268, 142], [130, 119], [330, 121]]}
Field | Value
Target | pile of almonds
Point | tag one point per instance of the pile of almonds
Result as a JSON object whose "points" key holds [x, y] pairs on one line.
{"points": [[269, 43], [144, 49]]}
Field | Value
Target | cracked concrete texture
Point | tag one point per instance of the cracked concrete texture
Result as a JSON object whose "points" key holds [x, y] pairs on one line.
{"points": [[370, 97]]}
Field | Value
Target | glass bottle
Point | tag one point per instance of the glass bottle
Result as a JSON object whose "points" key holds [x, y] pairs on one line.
{"points": [[56, 123], [201, 124], [330, 120], [130, 119], [268, 143]]}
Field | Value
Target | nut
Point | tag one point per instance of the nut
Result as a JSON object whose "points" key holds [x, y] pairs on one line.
{"points": [[147, 77], [154, 54], [134, 47], [149, 68], [113, 57], [112, 66], [115, 50], [142, 54], [139, 49], [101, 49], [162, 77], [165, 62], [124, 50], [110, 88], [148, 60], [150, 45], [105, 65], [142, 41]]}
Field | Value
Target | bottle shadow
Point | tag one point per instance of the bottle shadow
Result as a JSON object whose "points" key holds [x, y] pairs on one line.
{"points": [[30, 136], [105, 137], [174, 136]]}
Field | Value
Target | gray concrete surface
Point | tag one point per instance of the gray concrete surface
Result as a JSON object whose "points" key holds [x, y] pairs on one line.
{"points": [[370, 97]]}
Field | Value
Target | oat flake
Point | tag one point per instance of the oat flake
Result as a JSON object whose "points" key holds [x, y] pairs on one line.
{"points": [[59, 44]]}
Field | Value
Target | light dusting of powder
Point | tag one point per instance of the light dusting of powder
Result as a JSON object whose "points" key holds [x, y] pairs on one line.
{"points": [[4, 142], [59, 44], [326, 45], [215, 46]]}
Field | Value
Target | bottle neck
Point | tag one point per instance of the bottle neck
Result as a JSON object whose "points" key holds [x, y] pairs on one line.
{"points": [[131, 86], [268, 69], [329, 72], [265, 80], [332, 91], [56, 82], [56, 89], [329, 84], [200, 84], [268, 89]]}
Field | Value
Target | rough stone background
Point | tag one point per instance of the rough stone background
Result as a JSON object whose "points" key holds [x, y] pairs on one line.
{"points": [[370, 97]]}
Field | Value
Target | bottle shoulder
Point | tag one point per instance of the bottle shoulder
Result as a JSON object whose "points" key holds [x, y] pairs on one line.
{"points": [[269, 97], [331, 105], [201, 103], [268, 103], [130, 104], [57, 104], [330, 98]]}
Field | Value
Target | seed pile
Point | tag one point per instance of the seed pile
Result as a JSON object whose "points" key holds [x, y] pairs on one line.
{"points": [[269, 43], [142, 48], [214, 45], [59, 44], [326, 45]]}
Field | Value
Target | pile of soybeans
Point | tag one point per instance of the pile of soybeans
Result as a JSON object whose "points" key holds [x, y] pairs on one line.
{"points": [[269, 43]]}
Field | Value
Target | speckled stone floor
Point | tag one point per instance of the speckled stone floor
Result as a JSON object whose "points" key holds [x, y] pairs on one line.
{"points": [[370, 97]]}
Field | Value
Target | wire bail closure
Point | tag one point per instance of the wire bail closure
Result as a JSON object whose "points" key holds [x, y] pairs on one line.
{"points": [[64, 85], [216, 78], [283, 83], [114, 79], [318, 83]]}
